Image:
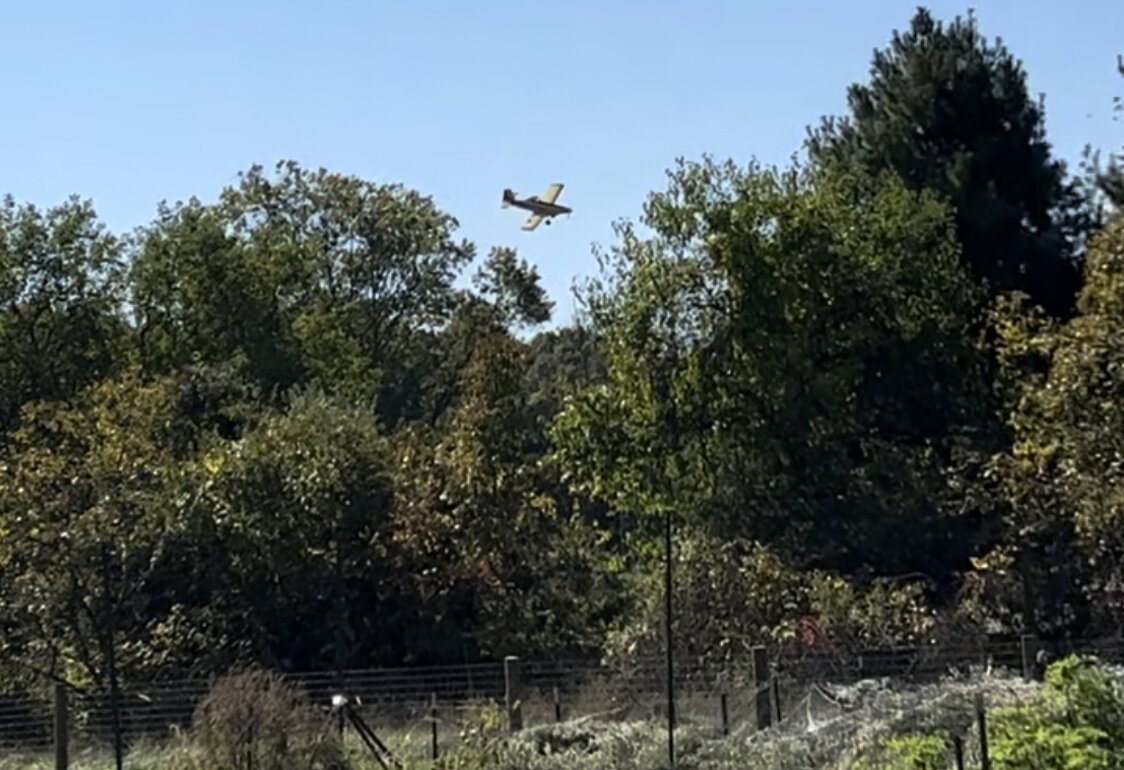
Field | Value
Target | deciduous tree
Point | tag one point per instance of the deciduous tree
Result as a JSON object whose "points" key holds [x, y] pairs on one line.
{"points": [[60, 300], [814, 362], [304, 277]]}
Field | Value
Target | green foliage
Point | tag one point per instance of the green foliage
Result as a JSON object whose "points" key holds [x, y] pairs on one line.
{"points": [[950, 113], [1083, 693], [731, 596], [1061, 479], [301, 512], [86, 526], [1051, 747], [509, 540], [780, 362], [882, 613], [908, 752], [1078, 721], [308, 277], [60, 293], [513, 287]]}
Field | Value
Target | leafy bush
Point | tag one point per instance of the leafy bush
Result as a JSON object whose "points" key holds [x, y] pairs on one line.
{"points": [[1086, 694], [878, 613], [733, 595], [487, 726], [1077, 722], [908, 752], [729, 596], [1022, 739]]}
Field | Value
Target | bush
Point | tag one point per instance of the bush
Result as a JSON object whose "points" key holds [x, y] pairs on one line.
{"points": [[1078, 721], [1023, 740], [908, 752], [253, 720], [1085, 694], [731, 596]]}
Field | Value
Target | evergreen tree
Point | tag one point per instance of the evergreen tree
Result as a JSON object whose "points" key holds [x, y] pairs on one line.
{"points": [[948, 111]]}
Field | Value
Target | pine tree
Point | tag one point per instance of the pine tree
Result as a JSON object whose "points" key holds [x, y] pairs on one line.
{"points": [[948, 111]]}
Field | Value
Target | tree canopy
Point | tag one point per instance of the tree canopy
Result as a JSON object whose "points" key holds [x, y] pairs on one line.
{"points": [[949, 112]]}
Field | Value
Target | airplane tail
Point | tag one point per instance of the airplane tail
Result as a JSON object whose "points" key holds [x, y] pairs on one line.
{"points": [[508, 197]]}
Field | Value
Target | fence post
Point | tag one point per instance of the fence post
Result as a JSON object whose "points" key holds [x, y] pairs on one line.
{"points": [[725, 715], [513, 692], [981, 716], [62, 728], [775, 686], [1030, 649], [557, 704], [958, 751], [433, 724], [761, 704]]}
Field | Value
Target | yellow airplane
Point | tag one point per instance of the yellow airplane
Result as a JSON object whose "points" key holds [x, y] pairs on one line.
{"points": [[542, 208]]}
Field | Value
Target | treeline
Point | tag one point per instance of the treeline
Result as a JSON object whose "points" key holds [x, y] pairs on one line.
{"points": [[878, 392]]}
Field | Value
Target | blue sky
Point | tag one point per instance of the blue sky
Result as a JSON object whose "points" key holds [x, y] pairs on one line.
{"points": [[128, 103]]}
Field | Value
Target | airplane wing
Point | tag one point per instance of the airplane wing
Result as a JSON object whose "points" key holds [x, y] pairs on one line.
{"points": [[532, 222], [552, 193]]}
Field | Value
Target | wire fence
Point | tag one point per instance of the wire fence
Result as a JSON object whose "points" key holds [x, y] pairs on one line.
{"points": [[418, 709]]}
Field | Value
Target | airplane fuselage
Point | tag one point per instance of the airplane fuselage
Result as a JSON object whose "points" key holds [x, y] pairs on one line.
{"points": [[536, 206]]}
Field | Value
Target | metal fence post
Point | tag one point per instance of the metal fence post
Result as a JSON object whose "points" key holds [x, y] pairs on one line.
{"points": [[958, 751], [62, 728], [1029, 650], [433, 724], [513, 692], [981, 716], [762, 706], [775, 687]]}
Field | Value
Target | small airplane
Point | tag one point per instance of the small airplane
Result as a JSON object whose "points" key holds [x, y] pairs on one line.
{"points": [[542, 208]]}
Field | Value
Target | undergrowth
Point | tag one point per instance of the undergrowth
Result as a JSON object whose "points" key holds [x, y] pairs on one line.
{"points": [[1074, 720]]}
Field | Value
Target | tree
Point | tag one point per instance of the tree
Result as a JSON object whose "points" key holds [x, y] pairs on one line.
{"points": [[947, 111], [508, 298], [500, 545], [308, 277], [1064, 477], [60, 295], [87, 520], [303, 562], [85, 526], [513, 288], [198, 295], [824, 379], [97, 530]]}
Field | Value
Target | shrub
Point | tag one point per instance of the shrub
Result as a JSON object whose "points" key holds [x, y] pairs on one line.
{"points": [[1078, 721], [1087, 695], [1021, 739], [908, 752], [254, 720]]}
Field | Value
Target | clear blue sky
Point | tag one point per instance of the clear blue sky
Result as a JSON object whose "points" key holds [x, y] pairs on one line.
{"points": [[129, 103]]}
